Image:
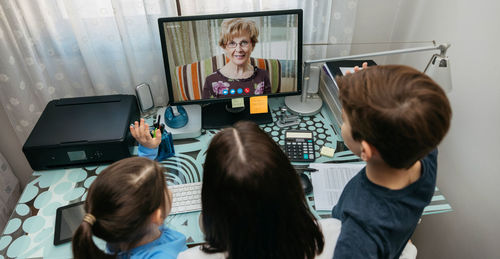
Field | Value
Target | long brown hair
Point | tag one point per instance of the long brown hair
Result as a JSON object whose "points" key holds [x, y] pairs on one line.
{"points": [[397, 109], [121, 198], [252, 199]]}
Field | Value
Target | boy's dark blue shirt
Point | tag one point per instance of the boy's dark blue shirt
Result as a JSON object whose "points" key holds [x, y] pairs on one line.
{"points": [[378, 222]]}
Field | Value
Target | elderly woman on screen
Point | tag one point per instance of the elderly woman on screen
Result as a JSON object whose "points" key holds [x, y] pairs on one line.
{"points": [[237, 78]]}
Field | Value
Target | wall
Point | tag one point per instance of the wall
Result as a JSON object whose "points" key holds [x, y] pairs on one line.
{"points": [[468, 172]]}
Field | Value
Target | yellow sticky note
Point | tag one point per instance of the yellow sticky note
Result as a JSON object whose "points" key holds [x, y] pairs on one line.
{"points": [[238, 102], [327, 151], [258, 104]]}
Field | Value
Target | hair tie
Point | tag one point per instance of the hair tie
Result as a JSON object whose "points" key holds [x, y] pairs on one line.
{"points": [[89, 218]]}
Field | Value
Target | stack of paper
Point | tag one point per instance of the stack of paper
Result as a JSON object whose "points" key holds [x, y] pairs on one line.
{"points": [[329, 182]]}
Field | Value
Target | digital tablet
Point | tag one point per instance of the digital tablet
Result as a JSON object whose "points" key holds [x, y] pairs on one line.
{"points": [[68, 218]]}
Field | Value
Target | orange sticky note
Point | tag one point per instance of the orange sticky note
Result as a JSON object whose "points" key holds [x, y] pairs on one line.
{"points": [[258, 104]]}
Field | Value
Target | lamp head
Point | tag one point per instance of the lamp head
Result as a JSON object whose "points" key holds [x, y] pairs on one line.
{"points": [[439, 70]]}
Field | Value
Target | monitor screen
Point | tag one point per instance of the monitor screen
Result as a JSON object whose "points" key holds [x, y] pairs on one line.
{"points": [[213, 58]]}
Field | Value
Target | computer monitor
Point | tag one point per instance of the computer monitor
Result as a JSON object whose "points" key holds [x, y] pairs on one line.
{"points": [[212, 59]]}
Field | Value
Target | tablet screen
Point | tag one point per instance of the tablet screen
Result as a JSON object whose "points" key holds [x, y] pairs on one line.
{"points": [[68, 218]]}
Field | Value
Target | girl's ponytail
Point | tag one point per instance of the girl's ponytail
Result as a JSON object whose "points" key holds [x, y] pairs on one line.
{"points": [[83, 245]]}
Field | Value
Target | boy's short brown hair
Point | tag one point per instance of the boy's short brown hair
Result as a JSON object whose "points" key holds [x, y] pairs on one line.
{"points": [[402, 112]]}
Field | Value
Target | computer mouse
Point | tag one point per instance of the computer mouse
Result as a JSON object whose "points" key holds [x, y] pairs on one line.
{"points": [[306, 183], [176, 117]]}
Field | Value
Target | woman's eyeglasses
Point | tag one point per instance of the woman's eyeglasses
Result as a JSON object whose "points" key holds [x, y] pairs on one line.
{"points": [[233, 44]]}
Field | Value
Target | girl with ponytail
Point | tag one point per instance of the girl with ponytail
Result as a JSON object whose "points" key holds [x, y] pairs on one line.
{"points": [[126, 206]]}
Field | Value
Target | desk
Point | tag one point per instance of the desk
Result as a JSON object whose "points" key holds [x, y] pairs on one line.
{"points": [[30, 231]]}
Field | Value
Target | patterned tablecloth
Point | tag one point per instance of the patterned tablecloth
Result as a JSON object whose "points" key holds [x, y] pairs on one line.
{"points": [[29, 232]]}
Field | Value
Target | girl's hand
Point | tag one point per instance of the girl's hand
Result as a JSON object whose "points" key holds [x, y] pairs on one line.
{"points": [[140, 131]]}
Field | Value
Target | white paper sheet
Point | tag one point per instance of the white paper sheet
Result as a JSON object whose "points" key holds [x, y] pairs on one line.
{"points": [[329, 181]]}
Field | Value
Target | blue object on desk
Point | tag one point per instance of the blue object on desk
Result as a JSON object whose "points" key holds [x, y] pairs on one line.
{"points": [[166, 148], [176, 117]]}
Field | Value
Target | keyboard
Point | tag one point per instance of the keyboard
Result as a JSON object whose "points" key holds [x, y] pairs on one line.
{"points": [[186, 197]]}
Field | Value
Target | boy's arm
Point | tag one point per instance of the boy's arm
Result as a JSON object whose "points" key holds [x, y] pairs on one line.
{"points": [[354, 242]]}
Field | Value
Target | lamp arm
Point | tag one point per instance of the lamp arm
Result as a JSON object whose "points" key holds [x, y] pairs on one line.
{"points": [[441, 47], [305, 81], [304, 106]]}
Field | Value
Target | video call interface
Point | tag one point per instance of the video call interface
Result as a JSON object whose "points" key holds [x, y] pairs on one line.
{"points": [[201, 65]]}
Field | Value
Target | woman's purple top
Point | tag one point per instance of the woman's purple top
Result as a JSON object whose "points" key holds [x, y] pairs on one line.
{"points": [[218, 86]]}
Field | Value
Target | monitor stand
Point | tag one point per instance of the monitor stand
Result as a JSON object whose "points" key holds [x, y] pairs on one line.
{"points": [[219, 115]]}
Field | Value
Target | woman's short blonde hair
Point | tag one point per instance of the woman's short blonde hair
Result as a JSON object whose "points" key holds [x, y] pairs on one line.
{"points": [[233, 27]]}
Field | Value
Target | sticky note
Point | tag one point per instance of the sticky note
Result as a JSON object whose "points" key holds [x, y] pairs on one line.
{"points": [[327, 151], [237, 102], [258, 104]]}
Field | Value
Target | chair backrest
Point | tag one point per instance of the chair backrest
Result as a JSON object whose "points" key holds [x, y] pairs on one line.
{"points": [[191, 77]]}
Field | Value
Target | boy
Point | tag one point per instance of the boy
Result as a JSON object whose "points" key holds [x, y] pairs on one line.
{"points": [[393, 118]]}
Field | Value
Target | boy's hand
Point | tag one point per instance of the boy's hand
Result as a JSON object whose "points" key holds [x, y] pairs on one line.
{"points": [[140, 131], [356, 68]]}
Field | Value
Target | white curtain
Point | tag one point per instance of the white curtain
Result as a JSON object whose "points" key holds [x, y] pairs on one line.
{"points": [[52, 49], [327, 22]]}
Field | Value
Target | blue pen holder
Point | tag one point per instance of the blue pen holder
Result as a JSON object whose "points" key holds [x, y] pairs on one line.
{"points": [[166, 148]]}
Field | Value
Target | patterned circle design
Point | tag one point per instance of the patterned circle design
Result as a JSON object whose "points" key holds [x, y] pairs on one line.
{"points": [[281, 142], [18, 246], [29, 193], [12, 226], [267, 129], [74, 194], [320, 142], [306, 118], [322, 136], [316, 119], [276, 128], [302, 125], [99, 169], [274, 133], [5, 241], [77, 176], [319, 125], [309, 123], [47, 179], [89, 181], [320, 130], [311, 128], [22, 210], [33, 224], [276, 139], [46, 232], [62, 188], [43, 199], [50, 210]]}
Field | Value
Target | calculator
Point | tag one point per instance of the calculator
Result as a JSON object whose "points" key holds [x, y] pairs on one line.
{"points": [[299, 145]]}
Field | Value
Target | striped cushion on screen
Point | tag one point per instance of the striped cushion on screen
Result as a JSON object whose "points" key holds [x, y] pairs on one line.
{"points": [[191, 77]]}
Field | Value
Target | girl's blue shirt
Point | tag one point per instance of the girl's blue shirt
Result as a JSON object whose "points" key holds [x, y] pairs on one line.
{"points": [[167, 246]]}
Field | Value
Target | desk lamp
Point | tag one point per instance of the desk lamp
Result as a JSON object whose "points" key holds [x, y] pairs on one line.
{"points": [[438, 69]]}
